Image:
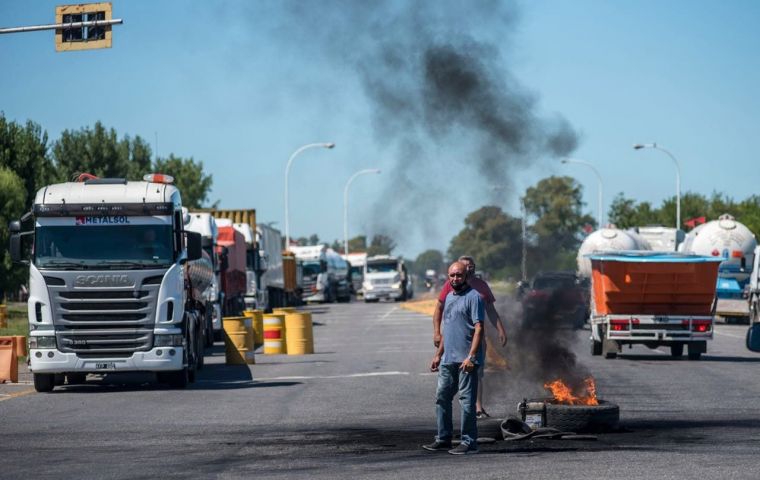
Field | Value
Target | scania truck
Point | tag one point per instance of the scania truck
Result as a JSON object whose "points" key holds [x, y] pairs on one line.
{"points": [[116, 284]]}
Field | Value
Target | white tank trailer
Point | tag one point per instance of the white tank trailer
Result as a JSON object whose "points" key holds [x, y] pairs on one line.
{"points": [[606, 240], [735, 244]]}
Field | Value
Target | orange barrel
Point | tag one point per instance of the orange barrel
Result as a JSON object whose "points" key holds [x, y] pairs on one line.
{"points": [[236, 341], [20, 345], [8, 360], [3, 316], [300, 338], [274, 334]]}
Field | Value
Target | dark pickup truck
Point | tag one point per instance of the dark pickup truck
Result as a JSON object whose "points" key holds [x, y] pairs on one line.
{"points": [[558, 299]]}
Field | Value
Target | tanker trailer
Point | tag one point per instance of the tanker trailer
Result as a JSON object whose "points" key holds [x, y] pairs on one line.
{"points": [[735, 244]]}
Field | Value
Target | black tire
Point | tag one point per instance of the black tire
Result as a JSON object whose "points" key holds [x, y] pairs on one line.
{"points": [[179, 379], [695, 353], [59, 379], [676, 350], [371, 300], [209, 328], [596, 348], [76, 378], [44, 382], [604, 417]]}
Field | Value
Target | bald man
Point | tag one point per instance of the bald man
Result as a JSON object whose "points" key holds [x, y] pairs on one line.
{"points": [[459, 355]]}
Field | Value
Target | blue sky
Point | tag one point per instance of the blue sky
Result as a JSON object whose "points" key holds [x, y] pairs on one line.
{"points": [[241, 85]]}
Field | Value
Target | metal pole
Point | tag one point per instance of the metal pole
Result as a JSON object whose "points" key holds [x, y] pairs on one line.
{"points": [[287, 173], [62, 26], [600, 211], [523, 262], [345, 205], [654, 145]]}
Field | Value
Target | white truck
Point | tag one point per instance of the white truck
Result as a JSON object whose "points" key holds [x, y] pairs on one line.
{"points": [[356, 270], [325, 274], [265, 284], [385, 277], [754, 289], [116, 284]]}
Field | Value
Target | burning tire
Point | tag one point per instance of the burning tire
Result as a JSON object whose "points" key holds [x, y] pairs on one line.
{"points": [[604, 417]]}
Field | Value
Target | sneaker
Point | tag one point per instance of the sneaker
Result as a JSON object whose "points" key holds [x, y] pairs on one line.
{"points": [[482, 414], [437, 446], [464, 449]]}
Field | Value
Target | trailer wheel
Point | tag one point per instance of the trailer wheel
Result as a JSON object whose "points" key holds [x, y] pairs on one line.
{"points": [[676, 350], [44, 382], [696, 349], [596, 348]]}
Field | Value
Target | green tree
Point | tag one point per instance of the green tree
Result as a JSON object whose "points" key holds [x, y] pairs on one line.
{"points": [[313, 239], [188, 175], [381, 245], [357, 244], [557, 205], [23, 150], [99, 151], [626, 213], [493, 238], [429, 260], [12, 205]]}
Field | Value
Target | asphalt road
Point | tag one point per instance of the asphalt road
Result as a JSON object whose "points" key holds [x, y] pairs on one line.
{"points": [[363, 404]]}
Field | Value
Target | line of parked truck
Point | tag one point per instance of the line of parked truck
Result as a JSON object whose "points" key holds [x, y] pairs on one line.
{"points": [[123, 278]]}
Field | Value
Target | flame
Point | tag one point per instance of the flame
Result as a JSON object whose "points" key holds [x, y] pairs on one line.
{"points": [[565, 395]]}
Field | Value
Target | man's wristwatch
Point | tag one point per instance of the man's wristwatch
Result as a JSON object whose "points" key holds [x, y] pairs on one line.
{"points": [[472, 359]]}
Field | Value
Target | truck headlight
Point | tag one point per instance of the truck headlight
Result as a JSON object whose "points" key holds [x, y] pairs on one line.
{"points": [[42, 342], [174, 340], [367, 286], [396, 285]]}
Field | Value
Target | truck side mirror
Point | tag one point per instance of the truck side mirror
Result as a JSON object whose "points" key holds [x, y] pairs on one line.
{"points": [[753, 338], [194, 243], [15, 242]]}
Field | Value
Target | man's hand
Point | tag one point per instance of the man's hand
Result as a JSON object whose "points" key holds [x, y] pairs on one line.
{"points": [[436, 339], [502, 337], [467, 366], [435, 363]]}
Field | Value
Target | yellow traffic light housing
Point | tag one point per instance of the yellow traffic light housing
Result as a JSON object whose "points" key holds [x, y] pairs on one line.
{"points": [[83, 37]]}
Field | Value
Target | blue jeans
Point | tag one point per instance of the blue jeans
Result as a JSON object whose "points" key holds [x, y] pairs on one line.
{"points": [[450, 380]]}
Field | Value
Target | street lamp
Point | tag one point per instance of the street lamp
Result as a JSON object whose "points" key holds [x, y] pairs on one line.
{"points": [[287, 173], [599, 193], [345, 204], [639, 146]]}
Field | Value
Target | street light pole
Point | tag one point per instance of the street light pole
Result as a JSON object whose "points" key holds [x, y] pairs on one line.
{"points": [[639, 146], [287, 173], [599, 193], [345, 204]]}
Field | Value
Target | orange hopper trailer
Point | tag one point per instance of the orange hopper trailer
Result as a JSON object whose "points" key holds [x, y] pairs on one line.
{"points": [[652, 298]]}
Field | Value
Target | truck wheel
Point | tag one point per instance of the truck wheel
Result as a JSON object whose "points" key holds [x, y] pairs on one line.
{"points": [[676, 350], [59, 379], [44, 382], [178, 379], [610, 348], [596, 348], [696, 349], [76, 378]]}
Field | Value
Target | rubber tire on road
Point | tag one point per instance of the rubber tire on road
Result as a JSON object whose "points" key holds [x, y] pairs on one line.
{"points": [[676, 350], [44, 382], [596, 348], [371, 300], [604, 417], [76, 378], [179, 379]]}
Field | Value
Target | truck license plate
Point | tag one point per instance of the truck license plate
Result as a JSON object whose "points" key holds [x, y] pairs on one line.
{"points": [[105, 366]]}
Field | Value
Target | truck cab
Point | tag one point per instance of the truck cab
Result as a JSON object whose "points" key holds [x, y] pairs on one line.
{"points": [[385, 277], [115, 281]]}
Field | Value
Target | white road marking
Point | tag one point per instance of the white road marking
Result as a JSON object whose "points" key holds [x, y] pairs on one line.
{"points": [[320, 377]]}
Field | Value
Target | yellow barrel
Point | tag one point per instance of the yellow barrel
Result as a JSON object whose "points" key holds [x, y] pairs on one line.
{"points": [[238, 341], [274, 334], [300, 338], [284, 310], [258, 326], [3, 316]]}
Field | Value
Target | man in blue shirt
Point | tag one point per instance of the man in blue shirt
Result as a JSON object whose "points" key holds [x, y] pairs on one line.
{"points": [[457, 360]]}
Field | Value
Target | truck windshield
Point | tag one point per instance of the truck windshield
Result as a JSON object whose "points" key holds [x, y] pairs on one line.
{"points": [[113, 246], [381, 267]]}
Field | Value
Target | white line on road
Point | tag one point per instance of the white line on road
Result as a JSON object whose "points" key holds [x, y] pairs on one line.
{"points": [[319, 377]]}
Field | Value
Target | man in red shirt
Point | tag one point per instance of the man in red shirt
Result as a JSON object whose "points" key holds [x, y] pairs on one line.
{"points": [[493, 316]]}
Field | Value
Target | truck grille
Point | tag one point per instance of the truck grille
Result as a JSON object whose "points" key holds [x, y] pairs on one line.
{"points": [[105, 322]]}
